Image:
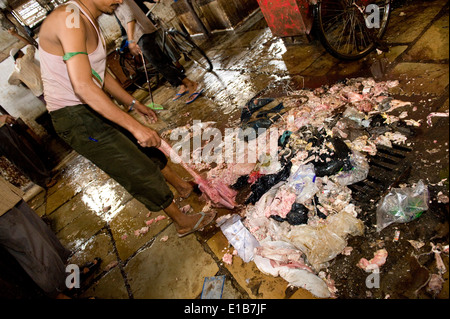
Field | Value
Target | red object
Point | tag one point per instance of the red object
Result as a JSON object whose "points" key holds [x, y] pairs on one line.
{"points": [[287, 17], [254, 177]]}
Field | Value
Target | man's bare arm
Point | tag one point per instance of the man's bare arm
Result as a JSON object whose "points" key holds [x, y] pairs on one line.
{"points": [[133, 46], [79, 69]]}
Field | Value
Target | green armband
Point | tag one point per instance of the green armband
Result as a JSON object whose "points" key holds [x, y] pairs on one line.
{"points": [[69, 55]]}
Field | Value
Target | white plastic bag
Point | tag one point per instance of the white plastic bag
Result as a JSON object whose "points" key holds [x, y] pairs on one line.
{"points": [[402, 205], [239, 237], [279, 258], [303, 182], [358, 173]]}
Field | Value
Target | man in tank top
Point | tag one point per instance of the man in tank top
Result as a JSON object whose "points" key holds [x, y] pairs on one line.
{"points": [[76, 86]]}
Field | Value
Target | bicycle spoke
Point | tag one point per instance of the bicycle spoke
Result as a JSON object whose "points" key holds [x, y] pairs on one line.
{"points": [[343, 26]]}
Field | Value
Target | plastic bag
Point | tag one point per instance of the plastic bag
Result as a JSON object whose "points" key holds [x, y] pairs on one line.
{"points": [[303, 182], [356, 116], [282, 203], [324, 242], [267, 165], [358, 173], [239, 237], [278, 258], [266, 182], [402, 205], [330, 159]]}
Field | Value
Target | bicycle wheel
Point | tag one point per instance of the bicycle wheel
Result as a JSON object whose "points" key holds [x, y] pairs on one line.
{"points": [[351, 29], [190, 50]]}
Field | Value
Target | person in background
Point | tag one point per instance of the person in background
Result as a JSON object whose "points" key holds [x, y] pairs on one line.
{"points": [[35, 247], [142, 37], [26, 68]]}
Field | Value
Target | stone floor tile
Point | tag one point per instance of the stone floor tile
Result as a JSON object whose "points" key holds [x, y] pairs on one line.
{"points": [[228, 58], [81, 229], [111, 286], [105, 198], [395, 52], [38, 199], [299, 57], [131, 218], [66, 191], [67, 213], [434, 44], [409, 22], [321, 66], [444, 107], [422, 78], [172, 269], [230, 291], [100, 246]]}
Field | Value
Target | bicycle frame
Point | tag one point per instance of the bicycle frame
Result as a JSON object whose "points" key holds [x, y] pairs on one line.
{"points": [[162, 26], [171, 44]]}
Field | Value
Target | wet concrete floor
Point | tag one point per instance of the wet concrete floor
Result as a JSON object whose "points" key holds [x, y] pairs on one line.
{"points": [[94, 216]]}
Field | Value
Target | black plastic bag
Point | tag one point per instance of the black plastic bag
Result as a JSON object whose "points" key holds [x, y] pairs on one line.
{"points": [[298, 215], [340, 160], [241, 182], [266, 182]]}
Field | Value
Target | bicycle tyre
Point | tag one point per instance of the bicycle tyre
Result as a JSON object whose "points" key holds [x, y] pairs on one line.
{"points": [[190, 50], [342, 28]]}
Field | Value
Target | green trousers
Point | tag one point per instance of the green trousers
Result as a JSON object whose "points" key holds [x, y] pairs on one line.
{"points": [[137, 169]]}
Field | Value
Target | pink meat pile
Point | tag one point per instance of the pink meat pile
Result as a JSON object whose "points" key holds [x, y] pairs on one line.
{"points": [[281, 204]]}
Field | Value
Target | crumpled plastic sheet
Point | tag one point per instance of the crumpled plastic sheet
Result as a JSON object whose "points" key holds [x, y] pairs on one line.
{"points": [[303, 181], [279, 258], [402, 205], [324, 242], [358, 173], [266, 182]]}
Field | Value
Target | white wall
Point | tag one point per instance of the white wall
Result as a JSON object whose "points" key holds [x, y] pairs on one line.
{"points": [[19, 101]]}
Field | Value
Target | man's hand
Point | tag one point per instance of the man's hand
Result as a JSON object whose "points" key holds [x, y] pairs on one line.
{"points": [[146, 112], [146, 137], [134, 49], [7, 119]]}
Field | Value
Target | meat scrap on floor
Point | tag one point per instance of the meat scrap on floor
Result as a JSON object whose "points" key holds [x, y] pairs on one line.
{"points": [[297, 203]]}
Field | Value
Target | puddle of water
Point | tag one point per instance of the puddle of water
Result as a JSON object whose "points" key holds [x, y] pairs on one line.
{"points": [[105, 201]]}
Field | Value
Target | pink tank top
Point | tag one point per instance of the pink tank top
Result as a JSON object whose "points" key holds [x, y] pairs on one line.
{"points": [[58, 89]]}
